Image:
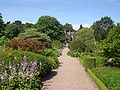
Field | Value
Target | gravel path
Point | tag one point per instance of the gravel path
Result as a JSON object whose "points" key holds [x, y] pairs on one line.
{"points": [[71, 75]]}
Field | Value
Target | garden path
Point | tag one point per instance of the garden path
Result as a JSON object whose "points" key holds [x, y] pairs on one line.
{"points": [[71, 75]]}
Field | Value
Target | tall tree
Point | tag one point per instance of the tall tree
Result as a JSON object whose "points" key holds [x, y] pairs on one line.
{"points": [[1, 25], [51, 26], [102, 27], [80, 27], [68, 27], [12, 30], [17, 22]]}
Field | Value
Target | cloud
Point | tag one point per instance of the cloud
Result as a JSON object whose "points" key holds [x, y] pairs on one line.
{"points": [[76, 27]]}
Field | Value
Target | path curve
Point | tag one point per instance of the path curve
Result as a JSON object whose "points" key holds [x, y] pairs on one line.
{"points": [[71, 75]]}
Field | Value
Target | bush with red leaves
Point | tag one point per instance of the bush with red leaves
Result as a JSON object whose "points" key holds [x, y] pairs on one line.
{"points": [[27, 45]]}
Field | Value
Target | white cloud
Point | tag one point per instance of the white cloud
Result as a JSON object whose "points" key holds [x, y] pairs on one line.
{"points": [[76, 27]]}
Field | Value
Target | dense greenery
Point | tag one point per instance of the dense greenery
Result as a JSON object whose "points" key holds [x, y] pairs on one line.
{"points": [[111, 46], [23, 70], [52, 27], [32, 34], [12, 30], [84, 41], [102, 27], [68, 27], [2, 26], [103, 58], [110, 76]]}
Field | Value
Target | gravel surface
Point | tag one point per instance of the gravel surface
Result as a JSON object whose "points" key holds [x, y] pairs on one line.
{"points": [[71, 75]]}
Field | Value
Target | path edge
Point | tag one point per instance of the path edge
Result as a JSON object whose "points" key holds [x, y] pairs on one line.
{"points": [[98, 82]]}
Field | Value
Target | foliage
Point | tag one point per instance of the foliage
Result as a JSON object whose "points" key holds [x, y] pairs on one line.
{"points": [[99, 83], [17, 22], [28, 25], [89, 62], [111, 45], [32, 34], [57, 44], [110, 76], [28, 45], [52, 27], [84, 41], [80, 27], [95, 60], [68, 27], [102, 27], [22, 70], [74, 53], [3, 41], [2, 26], [50, 52], [12, 30]]}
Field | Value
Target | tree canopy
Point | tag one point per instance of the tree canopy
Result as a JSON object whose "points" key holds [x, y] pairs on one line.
{"points": [[102, 27], [84, 41], [50, 26], [1, 26], [111, 45], [68, 27]]}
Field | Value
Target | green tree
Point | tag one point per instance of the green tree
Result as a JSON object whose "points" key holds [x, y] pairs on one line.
{"points": [[2, 26], [111, 45], [12, 30], [29, 25], [17, 22], [80, 27], [102, 27], [52, 27], [68, 27], [84, 41]]}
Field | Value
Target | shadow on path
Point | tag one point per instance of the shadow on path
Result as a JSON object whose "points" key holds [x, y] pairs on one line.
{"points": [[49, 76]]}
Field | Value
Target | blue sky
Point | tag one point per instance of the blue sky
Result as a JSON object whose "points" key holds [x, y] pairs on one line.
{"points": [[75, 12]]}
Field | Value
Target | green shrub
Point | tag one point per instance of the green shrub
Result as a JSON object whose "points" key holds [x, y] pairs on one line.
{"points": [[99, 61], [74, 53], [3, 41], [84, 41], [57, 44], [110, 76], [50, 52], [23, 70], [89, 62], [111, 46]]}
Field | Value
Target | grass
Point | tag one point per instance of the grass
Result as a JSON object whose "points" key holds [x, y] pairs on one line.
{"points": [[110, 76]]}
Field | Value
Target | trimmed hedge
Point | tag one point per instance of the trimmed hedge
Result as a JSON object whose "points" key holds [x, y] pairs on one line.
{"points": [[110, 76], [98, 82], [89, 62]]}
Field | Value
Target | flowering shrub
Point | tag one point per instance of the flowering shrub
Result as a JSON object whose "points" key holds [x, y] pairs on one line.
{"points": [[23, 70], [27, 45]]}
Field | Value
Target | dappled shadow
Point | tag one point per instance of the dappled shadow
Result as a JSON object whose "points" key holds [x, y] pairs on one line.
{"points": [[49, 76]]}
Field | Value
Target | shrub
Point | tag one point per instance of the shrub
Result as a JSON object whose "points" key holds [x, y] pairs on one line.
{"points": [[32, 34], [89, 62], [57, 44], [23, 70], [111, 46], [27, 45], [50, 52], [110, 76], [3, 41], [84, 41], [74, 53]]}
